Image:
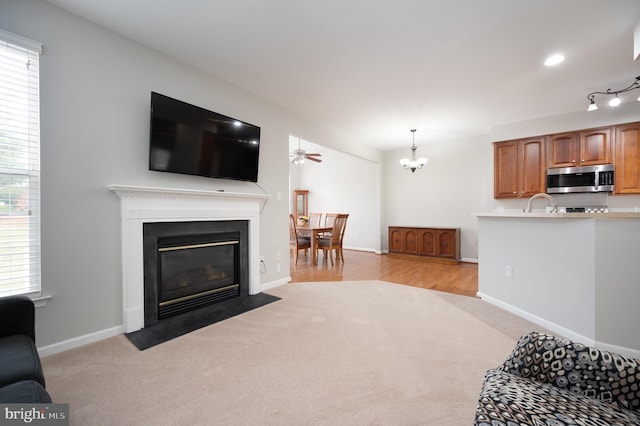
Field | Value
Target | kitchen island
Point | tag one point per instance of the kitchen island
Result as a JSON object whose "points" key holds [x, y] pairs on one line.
{"points": [[577, 274]]}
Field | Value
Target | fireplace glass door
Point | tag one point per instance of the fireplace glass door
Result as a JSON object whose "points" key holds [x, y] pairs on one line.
{"points": [[196, 272]]}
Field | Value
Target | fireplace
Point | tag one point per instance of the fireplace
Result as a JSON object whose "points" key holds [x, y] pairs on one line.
{"points": [[146, 205], [189, 265]]}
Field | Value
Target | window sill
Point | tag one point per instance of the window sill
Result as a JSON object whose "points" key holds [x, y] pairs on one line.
{"points": [[40, 301]]}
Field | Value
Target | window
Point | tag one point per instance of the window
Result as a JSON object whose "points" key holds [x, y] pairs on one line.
{"points": [[19, 165]]}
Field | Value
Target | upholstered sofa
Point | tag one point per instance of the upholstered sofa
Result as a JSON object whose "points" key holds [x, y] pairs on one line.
{"points": [[548, 380], [21, 376]]}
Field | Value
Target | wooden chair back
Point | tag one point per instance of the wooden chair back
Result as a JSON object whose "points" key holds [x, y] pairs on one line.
{"points": [[339, 225], [329, 219], [334, 241], [315, 220]]}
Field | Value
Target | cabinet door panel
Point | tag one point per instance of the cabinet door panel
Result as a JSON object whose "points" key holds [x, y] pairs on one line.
{"points": [[562, 150], [395, 240], [427, 238], [447, 244], [410, 241], [533, 161], [505, 178], [627, 179], [595, 147]]}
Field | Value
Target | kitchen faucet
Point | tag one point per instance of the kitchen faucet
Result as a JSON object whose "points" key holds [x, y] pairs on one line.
{"points": [[554, 206]]}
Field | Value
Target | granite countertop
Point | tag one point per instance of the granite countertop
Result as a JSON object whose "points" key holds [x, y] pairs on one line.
{"points": [[541, 214]]}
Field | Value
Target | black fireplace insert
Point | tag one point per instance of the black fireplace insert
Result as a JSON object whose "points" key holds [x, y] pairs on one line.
{"points": [[189, 265]]}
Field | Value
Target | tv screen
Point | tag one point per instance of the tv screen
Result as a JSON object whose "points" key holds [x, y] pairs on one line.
{"points": [[191, 140]]}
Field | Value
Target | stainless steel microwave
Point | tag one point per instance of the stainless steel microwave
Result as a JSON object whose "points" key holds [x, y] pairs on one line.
{"points": [[581, 179]]}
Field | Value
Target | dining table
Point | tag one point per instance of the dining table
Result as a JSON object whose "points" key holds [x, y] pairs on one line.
{"points": [[313, 233]]}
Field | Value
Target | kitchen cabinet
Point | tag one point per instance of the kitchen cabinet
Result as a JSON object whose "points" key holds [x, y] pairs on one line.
{"points": [[584, 148], [441, 244], [563, 150], [519, 168], [595, 147], [627, 159]]}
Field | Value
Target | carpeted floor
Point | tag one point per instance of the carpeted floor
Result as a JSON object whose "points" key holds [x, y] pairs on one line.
{"points": [[339, 353]]}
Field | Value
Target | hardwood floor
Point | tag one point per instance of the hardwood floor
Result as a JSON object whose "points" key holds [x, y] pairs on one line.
{"points": [[358, 265]]}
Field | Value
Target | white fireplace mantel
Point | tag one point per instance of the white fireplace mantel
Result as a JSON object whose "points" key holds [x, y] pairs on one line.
{"points": [[141, 205]]}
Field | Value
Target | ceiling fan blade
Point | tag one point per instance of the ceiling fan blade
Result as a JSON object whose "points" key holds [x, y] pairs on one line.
{"points": [[316, 154], [317, 160]]}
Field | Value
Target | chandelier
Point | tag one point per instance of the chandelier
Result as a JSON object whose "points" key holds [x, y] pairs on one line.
{"points": [[614, 101], [413, 163]]}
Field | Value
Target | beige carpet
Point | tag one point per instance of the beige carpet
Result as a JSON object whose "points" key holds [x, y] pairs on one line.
{"points": [[338, 353]]}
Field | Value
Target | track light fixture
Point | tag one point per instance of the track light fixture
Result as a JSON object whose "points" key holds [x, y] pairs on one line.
{"points": [[615, 101], [413, 163]]}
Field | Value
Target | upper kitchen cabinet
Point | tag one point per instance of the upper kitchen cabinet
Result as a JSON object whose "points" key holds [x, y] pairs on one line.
{"points": [[584, 148], [627, 159], [563, 150], [519, 168], [595, 147]]}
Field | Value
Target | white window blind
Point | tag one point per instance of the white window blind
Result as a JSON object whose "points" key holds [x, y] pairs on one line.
{"points": [[19, 165]]}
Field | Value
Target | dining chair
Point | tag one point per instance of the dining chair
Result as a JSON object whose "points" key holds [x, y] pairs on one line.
{"points": [[329, 218], [344, 226], [297, 243], [314, 220], [332, 242]]}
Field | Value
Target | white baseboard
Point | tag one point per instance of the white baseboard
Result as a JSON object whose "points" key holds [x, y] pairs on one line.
{"points": [[369, 250], [629, 353], [274, 284], [76, 342], [562, 331]]}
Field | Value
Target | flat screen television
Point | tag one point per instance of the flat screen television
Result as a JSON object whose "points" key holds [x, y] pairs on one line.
{"points": [[191, 140]]}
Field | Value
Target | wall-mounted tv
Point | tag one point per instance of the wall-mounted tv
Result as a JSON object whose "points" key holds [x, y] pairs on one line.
{"points": [[191, 140]]}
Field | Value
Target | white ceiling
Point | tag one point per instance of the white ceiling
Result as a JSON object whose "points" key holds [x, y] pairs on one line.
{"points": [[374, 69]]}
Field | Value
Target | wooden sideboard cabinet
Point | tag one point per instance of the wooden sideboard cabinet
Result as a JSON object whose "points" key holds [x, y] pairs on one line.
{"points": [[425, 243]]}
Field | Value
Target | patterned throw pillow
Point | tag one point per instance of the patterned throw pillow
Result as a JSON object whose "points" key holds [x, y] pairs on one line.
{"points": [[581, 369]]}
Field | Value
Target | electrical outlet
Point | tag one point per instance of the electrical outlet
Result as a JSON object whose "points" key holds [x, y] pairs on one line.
{"points": [[278, 267], [278, 196], [508, 271], [278, 255]]}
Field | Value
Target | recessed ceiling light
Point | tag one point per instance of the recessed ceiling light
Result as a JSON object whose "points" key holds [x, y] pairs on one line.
{"points": [[554, 60]]}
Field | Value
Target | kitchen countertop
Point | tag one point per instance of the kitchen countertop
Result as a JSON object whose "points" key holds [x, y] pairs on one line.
{"points": [[540, 214]]}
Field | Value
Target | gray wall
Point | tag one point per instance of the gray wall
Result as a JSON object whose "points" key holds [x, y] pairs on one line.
{"points": [[342, 183], [573, 276], [444, 193], [95, 93]]}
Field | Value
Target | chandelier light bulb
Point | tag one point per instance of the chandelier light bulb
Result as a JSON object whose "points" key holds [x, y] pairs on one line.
{"points": [[614, 102]]}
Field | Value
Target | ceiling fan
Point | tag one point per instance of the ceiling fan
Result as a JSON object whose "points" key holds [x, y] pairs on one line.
{"points": [[299, 155]]}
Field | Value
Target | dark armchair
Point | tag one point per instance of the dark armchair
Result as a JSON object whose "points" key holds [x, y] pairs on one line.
{"points": [[21, 376]]}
